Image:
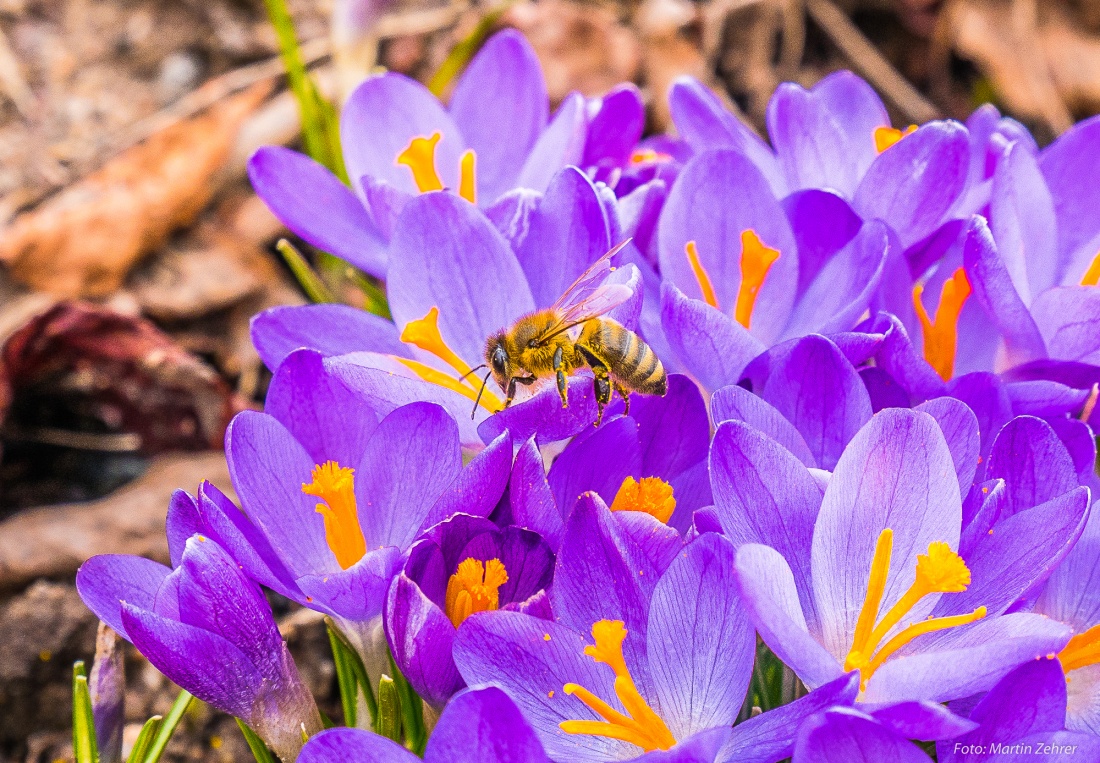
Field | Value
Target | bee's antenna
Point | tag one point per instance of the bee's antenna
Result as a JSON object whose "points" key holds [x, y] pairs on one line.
{"points": [[475, 368], [477, 401]]}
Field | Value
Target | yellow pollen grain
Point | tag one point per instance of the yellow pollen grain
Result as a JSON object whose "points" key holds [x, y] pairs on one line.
{"points": [[639, 724], [941, 570], [335, 486], [701, 275], [941, 335], [474, 587], [419, 157], [756, 260], [546, 637], [650, 495], [886, 136]]}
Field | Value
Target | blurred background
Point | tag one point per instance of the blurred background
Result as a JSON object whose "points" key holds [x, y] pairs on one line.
{"points": [[133, 252]]}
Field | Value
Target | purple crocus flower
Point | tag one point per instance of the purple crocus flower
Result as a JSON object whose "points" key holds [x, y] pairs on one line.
{"points": [[739, 280], [208, 628], [482, 725], [649, 467], [334, 491], [399, 140], [455, 281], [842, 578], [673, 648], [1023, 717], [463, 565]]}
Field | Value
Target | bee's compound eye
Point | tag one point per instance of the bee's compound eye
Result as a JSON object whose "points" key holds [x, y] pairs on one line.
{"points": [[499, 360]]}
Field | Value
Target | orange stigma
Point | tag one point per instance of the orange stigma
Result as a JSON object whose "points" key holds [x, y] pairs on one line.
{"points": [[650, 495], [1092, 275], [1082, 650], [756, 261], [419, 157], [424, 334], [640, 725], [475, 587], [335, 486], [649, 156], [701, 275], [885, 137], [941, 336], [941, 570]]}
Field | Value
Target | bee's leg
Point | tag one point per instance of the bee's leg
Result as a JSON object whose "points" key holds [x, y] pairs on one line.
{"points": [[602, 385], [624, 393], [561, 377], [524, 380]]}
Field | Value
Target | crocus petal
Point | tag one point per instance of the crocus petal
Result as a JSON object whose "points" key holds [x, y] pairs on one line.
{"points": [[533, 504], [705, 123], [532, 660], [543, 416], [203, 663], [446, 254], [616, 129], [268, 468], [326, 417], [567, 232], [712, 346], [960, 662], [838, 297], [560, 145], [599, 462], [1045, 399], [734, 403], [899, 358], [379, 121], [1082, 708], [825, 137], [650, 545], [815, 388], [501, 106], [673, 431], [770, 736], [993, 289], [486, 726], [960, 429], [1072, 595], [420, 637], [767, 587], [1029, 700], [182, 522], [986, 396], [478, 487], [526, 557], [845, 736], [1022, 219], [411, 458], [357, 593], [341, 744], [328, 329], [928, 721], [701, 645], [1033, 462], [762, 494], [698, 210], [592, 557], [1069, 319], [105, 581], [912, 185], [822, 222], [896, 473], [315, 205], [1072, 185], [700, 748]]}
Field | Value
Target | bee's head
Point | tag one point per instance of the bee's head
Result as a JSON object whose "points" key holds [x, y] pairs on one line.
{"points": [[496, 356]]}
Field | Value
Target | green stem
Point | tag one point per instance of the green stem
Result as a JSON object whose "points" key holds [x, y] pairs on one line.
{"points": [[144, 740], [85, 749], [259, 750], [412, 711], [168, 726]]}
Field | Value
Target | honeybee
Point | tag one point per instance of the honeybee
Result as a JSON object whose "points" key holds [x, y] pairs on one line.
{"points": [[542, 343]]}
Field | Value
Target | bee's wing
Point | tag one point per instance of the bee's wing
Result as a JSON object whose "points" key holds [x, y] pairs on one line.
{"points": [[589, 296]]}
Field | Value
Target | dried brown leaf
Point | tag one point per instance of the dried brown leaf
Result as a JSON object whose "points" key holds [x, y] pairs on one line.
{"points": [[85, 240]]}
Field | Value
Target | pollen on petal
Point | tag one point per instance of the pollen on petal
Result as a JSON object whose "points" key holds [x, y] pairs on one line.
{"points": [[651, 495]]}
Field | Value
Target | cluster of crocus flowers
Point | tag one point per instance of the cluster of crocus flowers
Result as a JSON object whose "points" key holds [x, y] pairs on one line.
{"points": [[863, 504]]}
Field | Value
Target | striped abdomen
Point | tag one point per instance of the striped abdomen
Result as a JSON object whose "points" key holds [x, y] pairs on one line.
{"points": [[629, 359]]}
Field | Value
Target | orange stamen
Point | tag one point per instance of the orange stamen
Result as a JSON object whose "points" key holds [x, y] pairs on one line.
{"points": [[885, 137], [651, 495], [756, 260], [335, 486], [424, 334], [941, 335], [1092, 275], [419, 157], [1082, 650], [467, 185], [475, 587], [701, 275]]}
